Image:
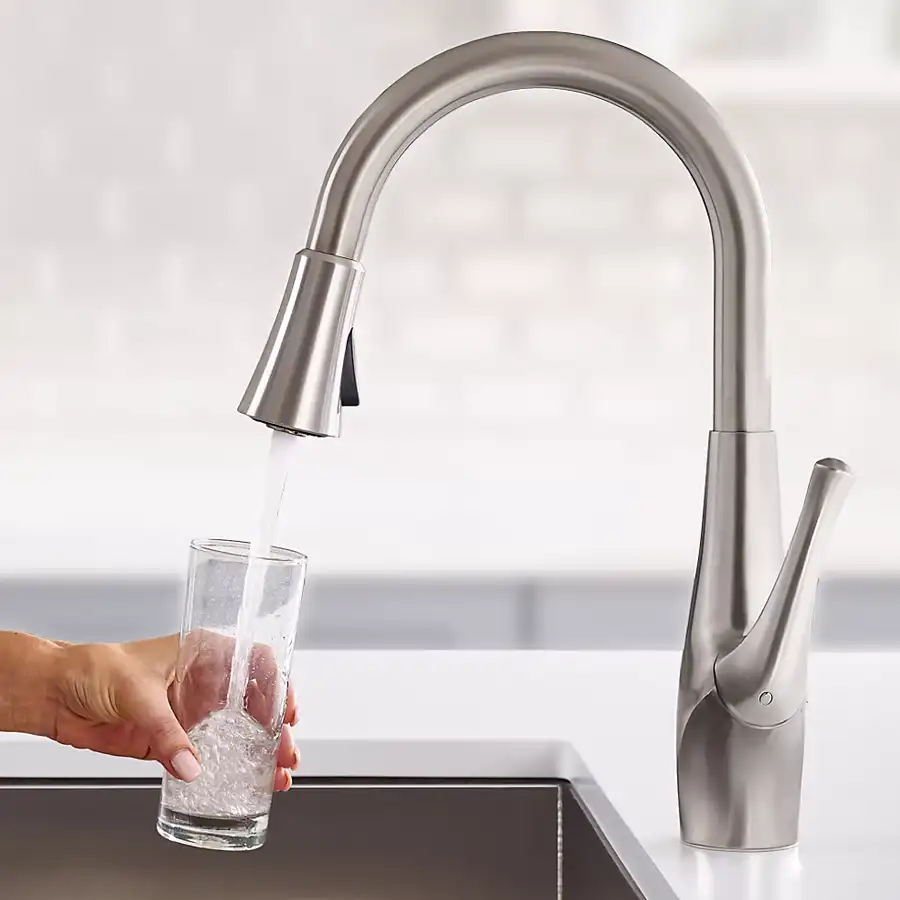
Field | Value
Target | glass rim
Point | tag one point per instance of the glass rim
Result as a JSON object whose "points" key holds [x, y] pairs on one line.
{"points": [[230, 549]]}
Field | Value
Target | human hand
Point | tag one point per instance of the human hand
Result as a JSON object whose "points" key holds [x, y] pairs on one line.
{"points": [[128, 700]]}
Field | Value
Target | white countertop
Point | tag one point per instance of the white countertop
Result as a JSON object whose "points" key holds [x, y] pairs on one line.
{"points": [[617, 709]]}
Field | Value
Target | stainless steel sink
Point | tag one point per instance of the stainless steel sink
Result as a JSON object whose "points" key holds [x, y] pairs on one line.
{"points": [[364, 838]]}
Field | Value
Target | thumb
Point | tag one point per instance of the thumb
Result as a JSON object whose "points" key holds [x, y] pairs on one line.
{"points": [[169, 743]]}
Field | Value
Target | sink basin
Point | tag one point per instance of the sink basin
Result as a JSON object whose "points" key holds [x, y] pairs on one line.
{"points": [[474, 837]]}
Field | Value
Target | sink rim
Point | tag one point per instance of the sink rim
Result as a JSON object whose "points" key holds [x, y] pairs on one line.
{"points": [[442, 763]]}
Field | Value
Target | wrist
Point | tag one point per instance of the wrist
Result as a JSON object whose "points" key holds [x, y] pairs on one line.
{"points": [[29, 676]]}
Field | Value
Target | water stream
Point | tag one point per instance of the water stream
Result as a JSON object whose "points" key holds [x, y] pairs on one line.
{"points": [[260, 548]]}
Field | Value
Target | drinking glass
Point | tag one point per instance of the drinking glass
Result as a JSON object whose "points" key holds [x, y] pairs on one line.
{"points": [[233, 713]]}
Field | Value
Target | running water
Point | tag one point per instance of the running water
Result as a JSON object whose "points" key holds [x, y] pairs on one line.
{"points": [[260, 548]]}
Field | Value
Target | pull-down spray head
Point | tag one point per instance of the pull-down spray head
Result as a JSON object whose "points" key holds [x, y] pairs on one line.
{"points": [[307, 371]]}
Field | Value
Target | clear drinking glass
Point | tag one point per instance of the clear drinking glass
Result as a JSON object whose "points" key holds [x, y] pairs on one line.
{"points": [[236, 736]]}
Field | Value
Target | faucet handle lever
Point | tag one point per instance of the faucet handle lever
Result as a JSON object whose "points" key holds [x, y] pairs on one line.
{"points": [[762, 681]]}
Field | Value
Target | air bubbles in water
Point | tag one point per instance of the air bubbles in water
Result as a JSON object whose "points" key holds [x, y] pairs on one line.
{"points": [[237, 756]]}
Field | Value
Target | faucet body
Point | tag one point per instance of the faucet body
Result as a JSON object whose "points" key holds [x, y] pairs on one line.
{"points": [[739, 757]]}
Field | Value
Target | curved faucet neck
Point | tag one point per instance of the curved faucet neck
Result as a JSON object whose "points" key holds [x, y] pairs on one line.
{"points": [[506, 62]]}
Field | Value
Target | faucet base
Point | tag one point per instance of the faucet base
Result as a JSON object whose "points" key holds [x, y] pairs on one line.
{"points": [[709, 849], [739, 786]]}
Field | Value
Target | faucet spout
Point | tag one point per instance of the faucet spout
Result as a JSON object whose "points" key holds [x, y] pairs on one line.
{"points": [[321, 292], [762, 680]]}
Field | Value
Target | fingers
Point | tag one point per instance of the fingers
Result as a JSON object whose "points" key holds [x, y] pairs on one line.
{"points": [[205, 668], [290, 710], [200, 686], [258, 705], [265, 688], [184, 765], [264, 675], [199, 691], [145, 704], [287, 756]]}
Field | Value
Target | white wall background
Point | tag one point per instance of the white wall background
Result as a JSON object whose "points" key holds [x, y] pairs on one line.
{"points": [[534, 336]]}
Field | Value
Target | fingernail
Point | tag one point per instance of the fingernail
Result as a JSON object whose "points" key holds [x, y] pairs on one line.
{"points": [[186, 766], [295, 760]]}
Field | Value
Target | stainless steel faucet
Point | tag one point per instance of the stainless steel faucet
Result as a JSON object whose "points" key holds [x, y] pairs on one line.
{"points": [[742, 694]]}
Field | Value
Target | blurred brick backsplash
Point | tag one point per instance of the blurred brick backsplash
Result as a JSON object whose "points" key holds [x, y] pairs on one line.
{"points": [[535, 329]]}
